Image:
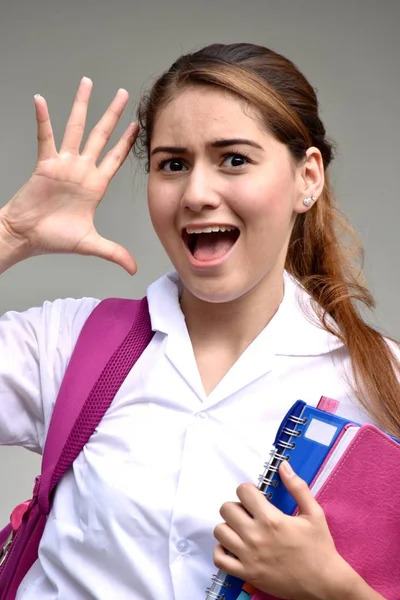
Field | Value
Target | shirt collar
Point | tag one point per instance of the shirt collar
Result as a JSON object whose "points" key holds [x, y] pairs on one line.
{"points": [[165, 310], [295, 328]]}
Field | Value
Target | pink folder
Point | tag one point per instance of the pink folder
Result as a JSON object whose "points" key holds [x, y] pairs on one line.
{"points": [[361, 501]]}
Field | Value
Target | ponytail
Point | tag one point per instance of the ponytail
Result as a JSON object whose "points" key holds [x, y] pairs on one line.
{"points": [[319, 260]]}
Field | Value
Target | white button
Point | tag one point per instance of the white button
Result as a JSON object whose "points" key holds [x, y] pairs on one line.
{"points": [[182, 545], [202, 415]]}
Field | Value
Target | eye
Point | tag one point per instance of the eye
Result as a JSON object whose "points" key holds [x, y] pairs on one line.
{"points": [[235, 160], [171, 165]]}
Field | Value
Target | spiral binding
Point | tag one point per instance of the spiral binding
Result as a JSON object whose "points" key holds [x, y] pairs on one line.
{"points": [[267, 479]]}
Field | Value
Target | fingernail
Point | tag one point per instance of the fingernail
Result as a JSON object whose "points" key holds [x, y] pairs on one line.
{"points": [[287, 469], [38, 96]]}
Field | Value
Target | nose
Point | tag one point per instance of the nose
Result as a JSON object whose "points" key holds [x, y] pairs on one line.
{"points": [[200, 192]]}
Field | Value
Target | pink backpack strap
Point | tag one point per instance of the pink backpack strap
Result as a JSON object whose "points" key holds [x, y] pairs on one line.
{"points": [[111, 341]]}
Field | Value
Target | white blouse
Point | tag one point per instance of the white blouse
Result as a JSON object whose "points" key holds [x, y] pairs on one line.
{"points": [[133, 518]]}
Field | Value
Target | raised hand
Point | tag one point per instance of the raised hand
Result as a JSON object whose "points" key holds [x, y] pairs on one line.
{"points": [[54, 211]]}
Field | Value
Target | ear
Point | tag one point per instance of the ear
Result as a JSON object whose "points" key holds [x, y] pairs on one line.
{"points": [[311, 179]]}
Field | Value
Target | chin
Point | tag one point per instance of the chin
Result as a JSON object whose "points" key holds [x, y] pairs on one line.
{"points": [[215, 290]]}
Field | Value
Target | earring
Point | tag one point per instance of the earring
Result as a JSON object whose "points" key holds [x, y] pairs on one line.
{"points": [[307, 201]]}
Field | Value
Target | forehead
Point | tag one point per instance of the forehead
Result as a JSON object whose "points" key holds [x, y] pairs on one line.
{"points": [[198, 114]]}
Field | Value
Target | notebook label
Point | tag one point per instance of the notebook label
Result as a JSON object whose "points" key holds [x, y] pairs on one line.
{"points": [[320, 432]]}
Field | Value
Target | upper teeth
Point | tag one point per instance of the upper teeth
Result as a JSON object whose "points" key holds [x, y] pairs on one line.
{"points": [[213, 229]]}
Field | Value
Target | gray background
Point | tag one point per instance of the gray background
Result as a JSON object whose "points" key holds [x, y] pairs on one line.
{"points": [[349, 49]]}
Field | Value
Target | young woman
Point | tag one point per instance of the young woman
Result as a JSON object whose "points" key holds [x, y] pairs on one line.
{"points": [[260, 311]]}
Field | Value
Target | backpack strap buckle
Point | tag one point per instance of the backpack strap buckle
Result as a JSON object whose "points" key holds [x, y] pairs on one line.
{"points": [[6, 548]]}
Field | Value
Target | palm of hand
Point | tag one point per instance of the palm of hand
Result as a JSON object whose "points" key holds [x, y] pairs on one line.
{"points": [[54, 211]]}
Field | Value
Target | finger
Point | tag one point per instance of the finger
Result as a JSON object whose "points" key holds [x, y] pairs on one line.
{"points": [[46, 145], [77, 119], [299, 489], [229, 564], [100, 135], [237, 517], [229, 539], [95, 245], [254, 501], [117, 155]]}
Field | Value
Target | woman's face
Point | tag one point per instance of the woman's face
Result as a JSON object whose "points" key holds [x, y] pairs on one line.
{"points": [[223, 194]]}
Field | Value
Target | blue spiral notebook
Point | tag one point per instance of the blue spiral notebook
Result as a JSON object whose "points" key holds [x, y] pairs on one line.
{"points": [[305, 437]]}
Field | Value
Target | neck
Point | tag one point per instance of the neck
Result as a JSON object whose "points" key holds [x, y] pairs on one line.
{"points": [[232, 324]]}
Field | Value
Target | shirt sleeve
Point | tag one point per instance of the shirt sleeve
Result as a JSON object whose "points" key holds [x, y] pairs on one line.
{"points": [[35, 348]]}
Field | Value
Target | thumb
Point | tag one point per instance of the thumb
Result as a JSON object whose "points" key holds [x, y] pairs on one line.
{"points": [[299, 489], [96, 245]]}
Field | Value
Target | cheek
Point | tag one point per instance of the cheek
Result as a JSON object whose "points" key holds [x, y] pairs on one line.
{"points": [[162, 209], [259, 199]]}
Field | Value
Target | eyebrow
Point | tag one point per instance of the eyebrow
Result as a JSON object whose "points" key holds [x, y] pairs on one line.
{"points": [[216, 144]]}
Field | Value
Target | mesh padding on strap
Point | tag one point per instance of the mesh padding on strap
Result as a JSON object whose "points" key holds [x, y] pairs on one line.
{"points": [[105, 389]]}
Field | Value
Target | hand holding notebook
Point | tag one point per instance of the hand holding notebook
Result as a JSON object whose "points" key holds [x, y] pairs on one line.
{"points": [[354, 473], [292, 557]]}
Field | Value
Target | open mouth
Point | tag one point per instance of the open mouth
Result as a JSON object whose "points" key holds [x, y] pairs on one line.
{"points": [[210, 243]]}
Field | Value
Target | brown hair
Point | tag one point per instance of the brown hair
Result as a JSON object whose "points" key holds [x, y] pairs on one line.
{"points": [[331, 274]]}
